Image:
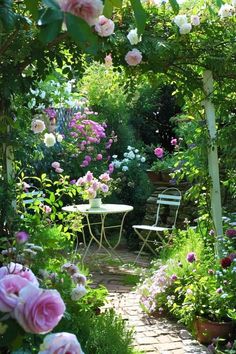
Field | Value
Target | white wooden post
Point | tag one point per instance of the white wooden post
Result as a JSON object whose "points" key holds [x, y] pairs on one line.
{"points": [[213, 165]]}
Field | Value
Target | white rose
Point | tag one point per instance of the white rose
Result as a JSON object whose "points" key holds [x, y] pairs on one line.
{"points": [[180, 20], [125, 168], [226, 10], [104, 27], [59, 138], [195, 20], [49, 139], [133, 37], [186, 28], [78, 292], [143, 159], [136, 151], [37, 126]]}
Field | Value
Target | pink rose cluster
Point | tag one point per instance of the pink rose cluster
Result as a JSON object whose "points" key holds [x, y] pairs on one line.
{"points": [[88, 10], [78, 279], [35, 309], [89, 135], [57, 167], [93, 187]]}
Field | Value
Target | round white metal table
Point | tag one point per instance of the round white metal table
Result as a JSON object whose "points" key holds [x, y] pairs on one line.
{"points": [[103, 211]]}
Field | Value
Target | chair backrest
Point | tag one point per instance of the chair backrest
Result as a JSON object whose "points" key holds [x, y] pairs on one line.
{"points": [[171, 197]]}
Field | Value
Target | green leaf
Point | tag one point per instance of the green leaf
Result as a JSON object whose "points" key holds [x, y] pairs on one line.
{"points": [[140, 15], [52, 4], [50, 16], [50, 31], [81, 33], [175, 6], [32, 7], [7, 16], [108, 8], [219, 3]]}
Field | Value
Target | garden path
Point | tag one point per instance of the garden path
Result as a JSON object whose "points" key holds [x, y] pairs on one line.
{"points": [[151, 335]]}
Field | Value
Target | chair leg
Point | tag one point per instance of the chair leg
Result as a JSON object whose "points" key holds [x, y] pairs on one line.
{"points": [[145, 243]]}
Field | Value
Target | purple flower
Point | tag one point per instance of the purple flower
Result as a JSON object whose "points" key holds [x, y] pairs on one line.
{"points": [[231, 233], [73, 181], [191, 257], [21, 237], [174, 277], [219, 290], [173, 141]]}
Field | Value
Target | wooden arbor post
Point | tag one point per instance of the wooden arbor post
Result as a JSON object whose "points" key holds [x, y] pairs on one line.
{"points": [[213, 165]]}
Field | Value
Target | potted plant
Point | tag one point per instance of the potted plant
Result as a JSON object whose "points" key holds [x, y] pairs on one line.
{"points": [[93, 189], [163, 167]]}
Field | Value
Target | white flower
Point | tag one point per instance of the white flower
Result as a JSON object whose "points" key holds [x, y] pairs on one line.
{"points": [[234, 3], [131, 155], [195, 20], [49, 139], [143, 159], [32, 103], [133, 37], [125, 154], [138, 157], [42, 94], [117, 164], [129, 148], [125, 168], [37, 126], [136, 151], [59, 138], [180, 20], [226, 10], [114, 156], [78, 292], [186, 28]]}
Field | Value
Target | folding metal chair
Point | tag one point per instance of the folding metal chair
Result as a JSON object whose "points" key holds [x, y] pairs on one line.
{"points": [[169, 197]]}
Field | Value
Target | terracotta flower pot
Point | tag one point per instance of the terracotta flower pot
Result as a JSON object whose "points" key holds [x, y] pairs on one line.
{"points": [[154, 177], [206, 330]]}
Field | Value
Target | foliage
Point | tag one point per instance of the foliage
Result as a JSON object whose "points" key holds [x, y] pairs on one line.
{"points": [[191, 282]]}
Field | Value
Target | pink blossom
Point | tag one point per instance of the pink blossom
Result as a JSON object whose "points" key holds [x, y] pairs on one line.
{"points": [[104, 27], [88, 177], [80, 181], [10, 285], [38, 310], [19, 269], [21, 237], [111, 168], [99, 157], [88, 158], [55, 164], [91, 193], [133, 57], [85, 163], [159, 152], [59, 170], [60, 343], [105, 177], [25, 186], [108, 60], [95, 185], [47, 209], [88, 10], [174, 141]]}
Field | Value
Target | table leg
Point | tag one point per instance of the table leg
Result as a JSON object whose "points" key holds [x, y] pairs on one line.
{"points": [[94, 238], [120, 232]]}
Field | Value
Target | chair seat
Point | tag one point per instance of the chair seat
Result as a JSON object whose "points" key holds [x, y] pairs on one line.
{"points": [[151, 228]]}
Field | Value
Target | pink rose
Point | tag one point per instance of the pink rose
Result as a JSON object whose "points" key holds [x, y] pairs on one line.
{"points": [[55, 164], [21, 237], [99, 157], [88, 10], [133, 57], [104, 27], [63, 342], [19, 269], [104, 188], [38, 310], [105, 177], [10, 285], [159, 152], [91, 193]]}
